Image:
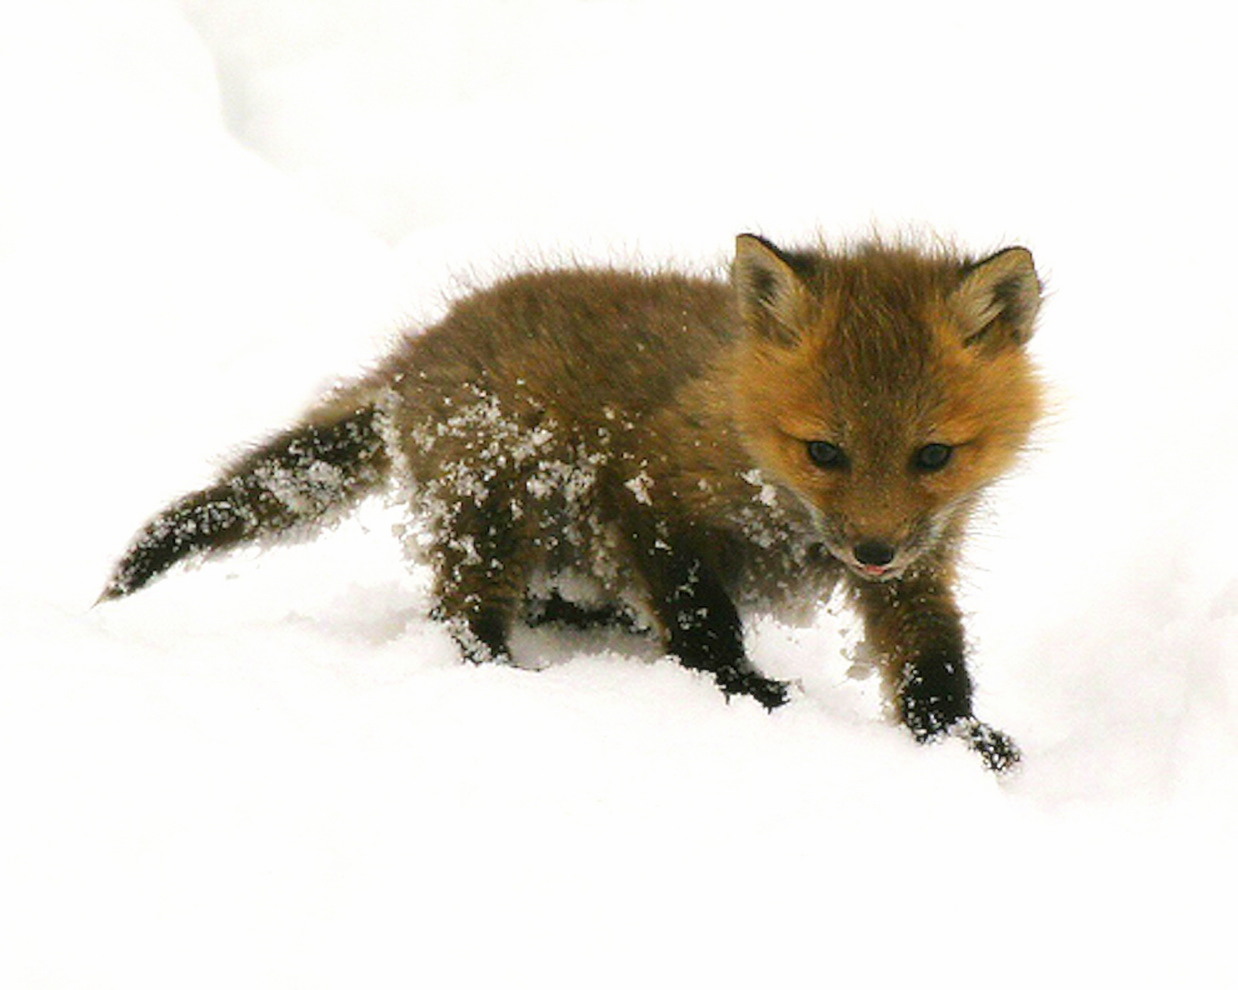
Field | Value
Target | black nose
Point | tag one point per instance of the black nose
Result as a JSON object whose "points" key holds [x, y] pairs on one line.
{"points": [[874, 553]]}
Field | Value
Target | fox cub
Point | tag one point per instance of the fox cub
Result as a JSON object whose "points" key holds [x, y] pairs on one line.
{"points": [[677, 450]]}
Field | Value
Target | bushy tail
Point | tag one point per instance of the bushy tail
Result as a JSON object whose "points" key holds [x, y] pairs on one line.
{"points": [[301, 478]]}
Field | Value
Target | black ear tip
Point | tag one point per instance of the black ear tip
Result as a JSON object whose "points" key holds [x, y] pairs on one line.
{"points": [[1021, 256], [1014, 256], [750, 239]]}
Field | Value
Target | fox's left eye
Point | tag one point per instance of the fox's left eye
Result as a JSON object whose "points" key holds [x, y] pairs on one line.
{"points": [[933, 456]]}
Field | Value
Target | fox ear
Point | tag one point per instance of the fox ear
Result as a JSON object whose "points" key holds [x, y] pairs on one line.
{"points": [[770, 293], [998, 299]]}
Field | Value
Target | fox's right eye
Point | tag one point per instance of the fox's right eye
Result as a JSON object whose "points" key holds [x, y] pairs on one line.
{"points": [[826, 455]]}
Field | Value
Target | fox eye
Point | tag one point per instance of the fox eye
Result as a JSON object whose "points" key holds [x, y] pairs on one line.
{"points": [[825, 454], [933, 456]]}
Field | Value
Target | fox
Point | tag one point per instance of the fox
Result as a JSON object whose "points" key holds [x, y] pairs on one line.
{"points": [[669, 452]]}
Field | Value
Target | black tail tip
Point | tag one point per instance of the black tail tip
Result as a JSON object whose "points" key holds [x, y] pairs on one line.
{"points": [[115, 588], [132, 573]]}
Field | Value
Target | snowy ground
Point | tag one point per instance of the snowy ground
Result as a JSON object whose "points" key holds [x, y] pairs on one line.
{"points": [[272, 772]]}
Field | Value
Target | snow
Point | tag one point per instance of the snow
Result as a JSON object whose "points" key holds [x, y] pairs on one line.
{"points": [[273, 770]]}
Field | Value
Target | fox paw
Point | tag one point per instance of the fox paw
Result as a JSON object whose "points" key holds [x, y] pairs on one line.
{"points": [[998, 750], [769, 693], [929, 723]]}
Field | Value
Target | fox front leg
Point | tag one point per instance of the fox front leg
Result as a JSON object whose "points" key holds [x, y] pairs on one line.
{"points": [[915, 625], [700, 625]]}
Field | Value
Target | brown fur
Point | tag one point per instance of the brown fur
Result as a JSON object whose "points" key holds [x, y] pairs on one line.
{"points": [[650, 434]]}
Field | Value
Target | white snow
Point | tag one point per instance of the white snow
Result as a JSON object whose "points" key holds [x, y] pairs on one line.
{"points": [[272, 771]]}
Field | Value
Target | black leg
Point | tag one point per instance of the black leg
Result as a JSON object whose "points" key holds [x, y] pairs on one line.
{"points": [[480, 579], [936, 691], [554, 609], [700, 624], [916, 627]]}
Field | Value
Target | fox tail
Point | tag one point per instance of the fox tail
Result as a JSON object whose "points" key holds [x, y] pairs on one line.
{"points": [[293, 483]]}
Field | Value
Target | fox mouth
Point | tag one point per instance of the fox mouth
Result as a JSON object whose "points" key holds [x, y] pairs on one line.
{"points": [[870, 559], [875, 573]]}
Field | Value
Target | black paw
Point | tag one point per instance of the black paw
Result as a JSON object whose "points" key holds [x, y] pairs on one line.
{"points": [[770, 693], [998, 750], [480, 637]]}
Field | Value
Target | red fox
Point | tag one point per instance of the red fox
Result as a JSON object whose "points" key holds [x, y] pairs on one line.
{"points": [[679, 450]]}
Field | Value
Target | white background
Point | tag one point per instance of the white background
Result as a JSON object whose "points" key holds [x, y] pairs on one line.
{"points": [[273, 771]]}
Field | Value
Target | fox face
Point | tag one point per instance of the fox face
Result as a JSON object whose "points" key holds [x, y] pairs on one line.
{"points": [[885, 388]]}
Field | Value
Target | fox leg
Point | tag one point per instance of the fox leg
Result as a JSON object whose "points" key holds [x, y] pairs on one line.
{"points": [[700, 625], [479, 580], [915, 625], [554, 609]]}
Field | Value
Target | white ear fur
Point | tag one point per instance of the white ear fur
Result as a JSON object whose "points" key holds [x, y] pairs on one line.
{"points": [[998, 299], [770, 294]]}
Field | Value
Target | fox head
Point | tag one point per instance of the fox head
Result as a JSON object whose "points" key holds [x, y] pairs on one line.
{"points": [[885, 387]]}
